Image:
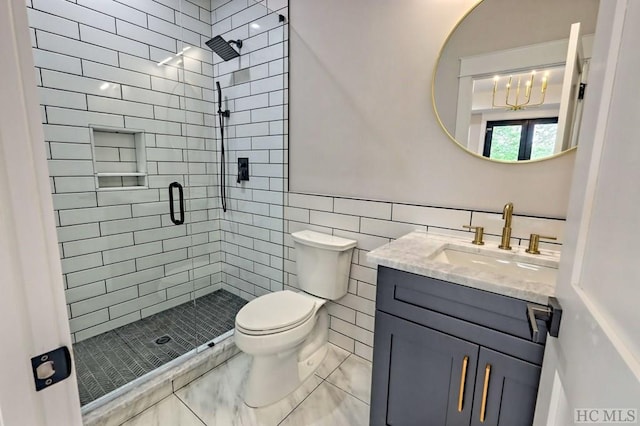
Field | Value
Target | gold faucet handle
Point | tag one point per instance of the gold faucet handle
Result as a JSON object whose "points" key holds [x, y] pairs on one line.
{"points": [[534, 242], [477, 238]]}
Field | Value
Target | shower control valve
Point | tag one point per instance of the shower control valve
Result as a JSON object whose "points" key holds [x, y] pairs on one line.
{"points": [[243, 169]]}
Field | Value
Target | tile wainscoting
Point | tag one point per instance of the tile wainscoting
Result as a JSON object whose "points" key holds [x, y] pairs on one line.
{"points": [[374, 223]]}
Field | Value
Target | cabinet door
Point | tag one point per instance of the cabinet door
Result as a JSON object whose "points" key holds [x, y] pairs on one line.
{"points": [[418, 375], [512, 388]]}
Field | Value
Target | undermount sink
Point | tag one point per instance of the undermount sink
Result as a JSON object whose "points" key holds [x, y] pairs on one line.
{"points": [[508, 264]]}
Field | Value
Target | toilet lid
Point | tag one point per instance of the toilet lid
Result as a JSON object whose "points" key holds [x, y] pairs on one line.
{"points": [[276, 311]]}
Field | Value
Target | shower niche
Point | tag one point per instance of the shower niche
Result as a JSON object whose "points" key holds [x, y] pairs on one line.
{"points": [[119, 159]]}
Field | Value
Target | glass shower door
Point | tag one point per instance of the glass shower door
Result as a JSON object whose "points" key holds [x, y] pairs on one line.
{"points": [[111, 83], [213, 317]]}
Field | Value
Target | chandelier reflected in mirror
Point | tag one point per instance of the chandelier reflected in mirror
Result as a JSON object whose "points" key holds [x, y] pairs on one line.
{"points": [[514, 98]]}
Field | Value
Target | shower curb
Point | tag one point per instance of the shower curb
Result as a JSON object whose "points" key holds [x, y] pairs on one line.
{"points": [[132, 399]]}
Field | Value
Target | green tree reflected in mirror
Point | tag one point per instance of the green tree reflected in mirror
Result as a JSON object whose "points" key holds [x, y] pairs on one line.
{"points": [[544, 139], [517, 140], [505, 143]]}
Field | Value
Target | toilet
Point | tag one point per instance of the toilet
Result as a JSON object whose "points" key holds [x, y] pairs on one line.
{"points": [[286, 332]]}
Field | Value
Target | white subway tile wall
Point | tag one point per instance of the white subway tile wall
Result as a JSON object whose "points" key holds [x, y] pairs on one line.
{"points": [[97, 64]]}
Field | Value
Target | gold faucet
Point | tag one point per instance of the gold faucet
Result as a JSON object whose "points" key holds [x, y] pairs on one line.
{"points": [[506, 230], [534, 241]]}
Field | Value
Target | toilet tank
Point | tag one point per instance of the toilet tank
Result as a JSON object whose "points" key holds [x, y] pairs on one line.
{"points": [[323, 263]]}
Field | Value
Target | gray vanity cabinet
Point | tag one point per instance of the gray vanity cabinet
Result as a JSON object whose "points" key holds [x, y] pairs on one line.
{"points": [[432, 345], [424, 374]]}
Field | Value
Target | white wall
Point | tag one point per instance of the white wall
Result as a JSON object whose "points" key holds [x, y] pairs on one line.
{"points": [[361, 120], [368, 160]]}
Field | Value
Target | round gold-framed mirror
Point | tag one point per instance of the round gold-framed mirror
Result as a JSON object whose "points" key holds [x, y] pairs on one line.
{"points": [[510, 79]]}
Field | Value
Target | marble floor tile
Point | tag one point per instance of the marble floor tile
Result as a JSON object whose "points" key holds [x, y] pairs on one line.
{"points": [[168, 412], [354, 377], [216, 397], [331, 406], [334, 358]]}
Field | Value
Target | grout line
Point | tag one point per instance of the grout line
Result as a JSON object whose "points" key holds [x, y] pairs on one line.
{"points": [[348, 393], [340, 363], [304, 399], [145, 410], [189, 408], [345, 390]]}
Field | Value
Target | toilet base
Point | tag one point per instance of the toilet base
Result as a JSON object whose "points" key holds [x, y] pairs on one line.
{"points": [[273, 377], [270, 379], [310, 365]]}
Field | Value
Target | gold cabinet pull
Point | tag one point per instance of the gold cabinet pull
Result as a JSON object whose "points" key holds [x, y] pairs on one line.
{"points": [[483, 407], [463, 379]]}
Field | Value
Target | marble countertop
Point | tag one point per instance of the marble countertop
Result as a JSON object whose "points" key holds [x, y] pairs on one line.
{"points": [[414, 252]]}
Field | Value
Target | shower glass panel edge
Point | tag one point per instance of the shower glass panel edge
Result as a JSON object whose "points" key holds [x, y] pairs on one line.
{"points": [[215, 308], [253, 90]]}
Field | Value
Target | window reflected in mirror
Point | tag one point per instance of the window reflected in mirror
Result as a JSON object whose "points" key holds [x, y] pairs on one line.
{"points": [[519, 140]]}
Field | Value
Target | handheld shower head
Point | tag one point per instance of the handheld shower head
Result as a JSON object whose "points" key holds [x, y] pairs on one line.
{"points": [[221, 115], [219, 97], [226, 112]]}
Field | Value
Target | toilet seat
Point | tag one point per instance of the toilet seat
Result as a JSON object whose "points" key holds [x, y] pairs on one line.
{"points": [[274, 313]]}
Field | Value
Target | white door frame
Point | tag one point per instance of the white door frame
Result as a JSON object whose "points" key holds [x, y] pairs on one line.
{"points": [[33, 316], [590, 365]]}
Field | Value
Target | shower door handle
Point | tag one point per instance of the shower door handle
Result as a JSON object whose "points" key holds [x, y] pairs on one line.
{"points": [[171, 208]]}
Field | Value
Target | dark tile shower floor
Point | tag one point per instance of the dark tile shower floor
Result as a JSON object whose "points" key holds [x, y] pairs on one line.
{"points": [[115, 358]]}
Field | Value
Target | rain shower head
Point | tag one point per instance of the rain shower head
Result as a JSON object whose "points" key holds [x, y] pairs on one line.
{"points": [[223, 48]]}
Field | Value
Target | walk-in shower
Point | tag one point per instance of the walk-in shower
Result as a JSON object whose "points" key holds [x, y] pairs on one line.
{"points": [[152, 269]]}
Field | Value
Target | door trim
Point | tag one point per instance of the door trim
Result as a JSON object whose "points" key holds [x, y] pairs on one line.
{"points": [[33, 316]]}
